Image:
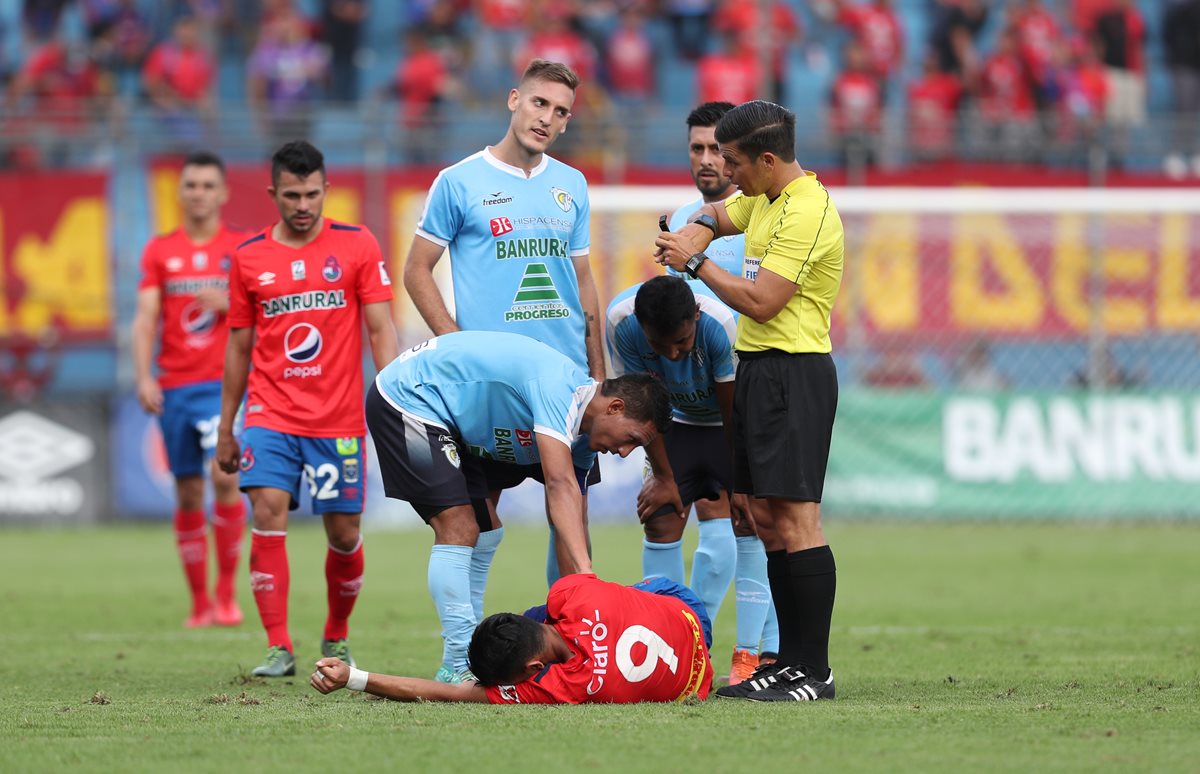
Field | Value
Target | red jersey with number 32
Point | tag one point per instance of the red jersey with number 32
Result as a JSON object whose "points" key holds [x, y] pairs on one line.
{"points": [[629, 645], [193, 337], [306, 307]]}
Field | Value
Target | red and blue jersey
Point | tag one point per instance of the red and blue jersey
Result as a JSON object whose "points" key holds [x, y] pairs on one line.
{"points": [[628, 646], [193, 337], [305, 304]]}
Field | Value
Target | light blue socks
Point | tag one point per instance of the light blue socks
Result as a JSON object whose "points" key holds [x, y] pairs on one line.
{"points": [[753, 598], [450, 587], [664, 560], [481, 563], [714, 563]]}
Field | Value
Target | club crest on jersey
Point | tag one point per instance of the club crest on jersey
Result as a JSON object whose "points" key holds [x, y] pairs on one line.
{"points": [[347, 447], [199, 260], [247, 460], [297, 270], [174, 263], [197, 320], [302, 343], [451, 452], [350, 471], [226, 262], [562, 199], [509, 693], [332, 271]]}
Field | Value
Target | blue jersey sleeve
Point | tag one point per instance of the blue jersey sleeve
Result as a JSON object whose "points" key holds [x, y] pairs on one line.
{"points": [[623, 346], [442, 218], [581, 235]]}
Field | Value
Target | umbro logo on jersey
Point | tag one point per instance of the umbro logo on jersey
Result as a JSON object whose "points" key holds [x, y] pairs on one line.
{"points": [[266, 278], [174, 263], [562, 199], [496, 198], [501, 226]]}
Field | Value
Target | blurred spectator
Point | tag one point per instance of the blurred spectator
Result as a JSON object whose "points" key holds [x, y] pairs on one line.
{"points": [[422, 85], [856, 108], [59, 84], [40, 18], [285, 75], [178, 78], [743, 18], [629, 60], [975, 371], [955, 28], [1122, 35], [896, 369], [1181, 40], [933, 111], [874, 25], [341, 24], [724, 76], [120, 36], [1006, 105], [500, 31], [1105, 373], [689, 25], [550, 37], [1082, 86], [1038, 34]]}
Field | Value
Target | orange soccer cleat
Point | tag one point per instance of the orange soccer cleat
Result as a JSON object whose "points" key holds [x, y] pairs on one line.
{"points": [[744, 664], [227, 614]]}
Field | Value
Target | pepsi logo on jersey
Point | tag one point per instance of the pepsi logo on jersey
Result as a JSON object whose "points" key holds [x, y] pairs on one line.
{"points": [[302, 344]]}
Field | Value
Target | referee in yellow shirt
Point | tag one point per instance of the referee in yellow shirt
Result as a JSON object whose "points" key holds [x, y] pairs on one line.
{"points": [[786, 390]]}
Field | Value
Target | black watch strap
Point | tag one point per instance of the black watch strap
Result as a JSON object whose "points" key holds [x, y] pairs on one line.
{"points": [[692, 267], [704, 219]]}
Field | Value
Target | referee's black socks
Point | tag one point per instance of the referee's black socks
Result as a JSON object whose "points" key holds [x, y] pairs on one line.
{"points": [[813, 577], [785, 607]]}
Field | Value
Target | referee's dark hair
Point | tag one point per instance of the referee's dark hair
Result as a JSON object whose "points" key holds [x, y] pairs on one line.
{"points": [[708, 114], [646, 398], [299, 157], [760, 127], [203, 158], [664, 303], [501, 646]]}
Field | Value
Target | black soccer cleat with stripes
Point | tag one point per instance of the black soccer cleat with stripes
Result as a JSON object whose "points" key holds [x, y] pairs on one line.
{"points": [[798, 687]]}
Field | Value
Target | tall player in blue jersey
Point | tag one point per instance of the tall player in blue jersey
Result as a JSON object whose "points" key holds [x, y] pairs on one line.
{"points": [[755, 613], [442, 407], [516, 223]]}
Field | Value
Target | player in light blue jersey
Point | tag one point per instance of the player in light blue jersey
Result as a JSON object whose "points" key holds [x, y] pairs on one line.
{"points": [[517, 224], [442, 408], [755, 614]]}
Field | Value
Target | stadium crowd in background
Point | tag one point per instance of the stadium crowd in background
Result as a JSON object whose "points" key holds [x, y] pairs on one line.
{"points": [[1012, 81]]}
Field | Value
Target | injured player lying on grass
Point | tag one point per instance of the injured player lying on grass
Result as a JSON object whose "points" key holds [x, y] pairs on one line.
{"points": [[593, 641]]}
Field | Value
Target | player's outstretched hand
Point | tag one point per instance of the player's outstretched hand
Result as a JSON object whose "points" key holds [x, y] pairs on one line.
{"points": [[656, 492], [330, 675], [228, 452]]}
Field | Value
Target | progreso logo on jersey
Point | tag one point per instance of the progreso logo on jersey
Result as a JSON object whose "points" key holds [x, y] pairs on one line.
{"points": [[302, 344], [536, 298]]}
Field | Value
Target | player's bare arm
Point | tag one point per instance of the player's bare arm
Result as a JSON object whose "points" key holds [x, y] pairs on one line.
{"points": [[381, 332], [145, 327], [233, 387], [589, 301], [659, 488], [565, 504], [424, 292], [331, 674]]}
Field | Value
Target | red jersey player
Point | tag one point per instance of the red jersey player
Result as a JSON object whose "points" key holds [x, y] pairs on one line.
{"points": [[184, 289], [601, 643], [299, 293]]}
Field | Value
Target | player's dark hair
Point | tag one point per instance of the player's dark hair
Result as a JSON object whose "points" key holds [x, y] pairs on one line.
{"points": [[501, 647], [760, 127], [555, 72], [646, 398], [708, 114], [664, 303], [203, 158], [299, 157]]}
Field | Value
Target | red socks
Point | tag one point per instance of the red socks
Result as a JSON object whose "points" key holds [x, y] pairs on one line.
{"points": [[269, 579], [229, 525], [343, 579], [191, 539]]}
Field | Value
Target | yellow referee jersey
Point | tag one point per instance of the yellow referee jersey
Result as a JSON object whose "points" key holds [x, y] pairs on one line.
{"points": [[798, 236]]}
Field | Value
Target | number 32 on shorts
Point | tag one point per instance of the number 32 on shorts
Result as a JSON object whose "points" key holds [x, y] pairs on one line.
{"points": [[322, 481]]}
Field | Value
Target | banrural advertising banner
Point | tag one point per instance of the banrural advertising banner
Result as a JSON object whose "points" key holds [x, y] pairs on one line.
{"points": [[1075, 455]]}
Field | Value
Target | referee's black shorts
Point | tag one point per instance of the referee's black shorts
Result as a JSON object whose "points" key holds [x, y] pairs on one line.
{"points": [[783, 409]]}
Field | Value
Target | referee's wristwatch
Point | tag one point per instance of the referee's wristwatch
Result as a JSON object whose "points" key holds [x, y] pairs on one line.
{"points": [[692, 267], [706, 220]]}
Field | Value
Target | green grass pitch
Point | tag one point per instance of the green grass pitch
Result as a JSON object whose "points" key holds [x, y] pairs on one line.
{"points": [[994, 647]]}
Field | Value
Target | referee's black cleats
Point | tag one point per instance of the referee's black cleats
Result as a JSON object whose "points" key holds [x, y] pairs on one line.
{"points": [[764, 677], [798, 688]]}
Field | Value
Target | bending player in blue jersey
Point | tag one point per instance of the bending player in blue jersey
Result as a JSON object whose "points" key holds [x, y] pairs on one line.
{"points": [[517, 225], [755, 612], [442, 406], [682, 333]]}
